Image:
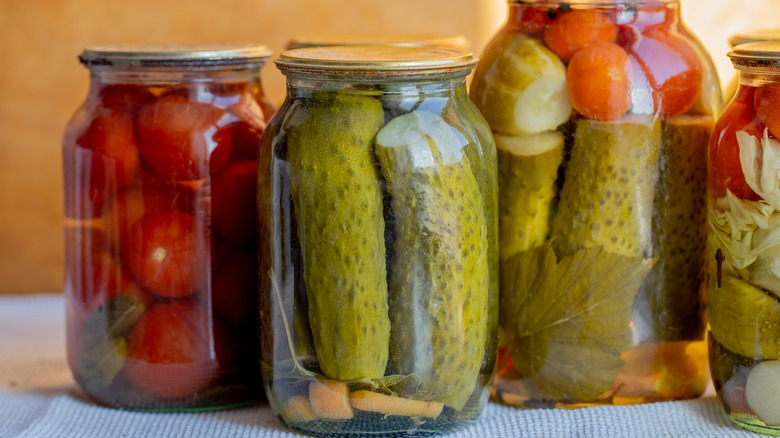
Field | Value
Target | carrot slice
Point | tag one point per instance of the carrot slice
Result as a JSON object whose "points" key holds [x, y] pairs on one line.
{"points": [[330, 400], [392, 405], [298, 408]]}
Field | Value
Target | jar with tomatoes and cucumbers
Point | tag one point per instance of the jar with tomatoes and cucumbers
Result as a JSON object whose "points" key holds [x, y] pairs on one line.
{"points": [[743, 209], [601, 112], [160, 166]]}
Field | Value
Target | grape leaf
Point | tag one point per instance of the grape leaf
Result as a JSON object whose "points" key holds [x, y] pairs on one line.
{"points": [[569, 320], [102, 348]]}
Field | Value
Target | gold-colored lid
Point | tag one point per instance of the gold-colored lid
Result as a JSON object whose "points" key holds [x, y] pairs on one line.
{"points": [[756, 55], [379, 39], [376, 61], [174, 55], [752, 37]]}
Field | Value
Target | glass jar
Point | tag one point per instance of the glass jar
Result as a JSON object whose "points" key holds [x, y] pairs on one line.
{"points": [[160, 167], [601, 113], [743, 207], [744, 38], [378, 277]]}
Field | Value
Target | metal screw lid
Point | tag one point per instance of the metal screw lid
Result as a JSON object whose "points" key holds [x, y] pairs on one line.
{"points": [[175, 55], [376, 61], [379, 39], [756, 55]]}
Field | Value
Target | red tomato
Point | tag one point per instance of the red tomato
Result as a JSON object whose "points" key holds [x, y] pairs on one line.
{"points": [[529, 20], [576, 29], [140, 198], [673, 68], [245, 138], [124, 97], [598, 81], [94, 273], [175, 138], [234, 288], [176, 350], [645, 14], [767, 105], [725, 167], [234, 203], [103, 160], [168, 253]]}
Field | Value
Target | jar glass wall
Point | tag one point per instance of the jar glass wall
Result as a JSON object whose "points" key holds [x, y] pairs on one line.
{"points": [[601, 112], [379, 284], [742, 211], [160, 167]]}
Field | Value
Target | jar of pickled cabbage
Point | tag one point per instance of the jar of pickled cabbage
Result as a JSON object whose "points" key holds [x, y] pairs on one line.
{"points": [[160, 168], [601, 112], [377, 201], [743, 207]]}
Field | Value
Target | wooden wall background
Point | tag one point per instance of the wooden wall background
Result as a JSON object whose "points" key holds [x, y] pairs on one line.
{"points": [[42, 83]]}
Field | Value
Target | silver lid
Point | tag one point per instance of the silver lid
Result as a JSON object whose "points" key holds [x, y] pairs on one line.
{"points": [[175, 55], [376, 61], [756, 55]]}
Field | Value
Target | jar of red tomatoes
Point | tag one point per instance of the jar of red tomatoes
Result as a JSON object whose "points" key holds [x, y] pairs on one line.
{"points": [[601, 112], [743, 209], [160, 167]]}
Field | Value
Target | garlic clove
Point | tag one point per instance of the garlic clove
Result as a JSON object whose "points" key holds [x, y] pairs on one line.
{"points": [[762, 392]]}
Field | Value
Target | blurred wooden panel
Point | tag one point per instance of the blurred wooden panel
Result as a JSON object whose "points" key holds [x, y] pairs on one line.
{"points": [[41, 84]]}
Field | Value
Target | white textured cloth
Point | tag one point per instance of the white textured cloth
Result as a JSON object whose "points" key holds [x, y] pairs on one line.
{"points": [[38, 398]]}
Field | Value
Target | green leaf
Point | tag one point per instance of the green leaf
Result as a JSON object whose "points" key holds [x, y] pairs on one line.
{"points": [[570, 319], [102, 347]]}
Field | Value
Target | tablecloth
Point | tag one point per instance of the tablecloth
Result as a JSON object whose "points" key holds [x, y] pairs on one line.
{"points": [[38, 398]]}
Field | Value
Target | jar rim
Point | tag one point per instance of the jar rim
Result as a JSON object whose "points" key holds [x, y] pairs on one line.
{"points": [[753, 37], [756, 54], [379, 39], [175, 55], [376, 61]]}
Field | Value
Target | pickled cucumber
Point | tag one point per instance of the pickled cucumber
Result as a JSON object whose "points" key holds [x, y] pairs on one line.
{"points": [[609, 187], [670, 303], [440, 277], [337, 197], [527, 171], [520, 86], [744, 318]]}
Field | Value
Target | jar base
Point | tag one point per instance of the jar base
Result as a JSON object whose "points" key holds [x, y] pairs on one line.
{"points": [[753, 424]]}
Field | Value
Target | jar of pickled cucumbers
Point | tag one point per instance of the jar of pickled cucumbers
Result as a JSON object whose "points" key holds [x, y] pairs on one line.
{"points": [[160, 167], [743, 207], [377, 200], [601, 112]]}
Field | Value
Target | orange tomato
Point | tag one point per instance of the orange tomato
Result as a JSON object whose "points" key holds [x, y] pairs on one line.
{"points": [[576, 29], [673, 69], [767, 105], [598, 81]]}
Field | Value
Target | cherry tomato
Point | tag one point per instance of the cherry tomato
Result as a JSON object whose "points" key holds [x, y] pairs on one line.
{"points": [[725, 166], [167, 253], [767, 105], [176, 350], [175, 138], [234, 203], [234, 288], [140, 198], [598, 81], [576, 29], [673, 68]]}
